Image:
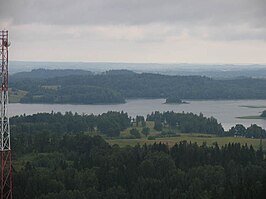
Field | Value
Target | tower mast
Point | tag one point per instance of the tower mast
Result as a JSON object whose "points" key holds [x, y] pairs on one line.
{"points": [[5, 145]]}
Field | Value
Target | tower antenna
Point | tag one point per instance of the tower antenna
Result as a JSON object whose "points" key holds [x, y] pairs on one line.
{"points": [[5, 145]]}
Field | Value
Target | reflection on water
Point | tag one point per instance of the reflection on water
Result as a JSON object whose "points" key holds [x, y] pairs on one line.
{"points": [[225, 111]]}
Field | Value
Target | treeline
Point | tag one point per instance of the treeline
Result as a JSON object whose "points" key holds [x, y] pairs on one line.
{"points": [[42, 130], [81, 94], [193, 123], [112, 123], [186, 122], [254, 131], [42, 73], [81, 167], [115, 86]]}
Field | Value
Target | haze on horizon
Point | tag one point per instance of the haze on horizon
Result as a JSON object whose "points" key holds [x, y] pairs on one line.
{"points": [[156, 31]]}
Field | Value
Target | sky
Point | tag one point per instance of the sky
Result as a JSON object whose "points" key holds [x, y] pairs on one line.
{"points": [[138, 31]]}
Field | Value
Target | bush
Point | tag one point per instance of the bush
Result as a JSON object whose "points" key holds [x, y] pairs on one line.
{"points": [[151, 138], [134, 132], [158, 125], [145, 131]]}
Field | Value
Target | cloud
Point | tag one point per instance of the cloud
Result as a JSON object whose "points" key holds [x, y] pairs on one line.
{"points": [[141, 30], [135, 12], [239, 19]]}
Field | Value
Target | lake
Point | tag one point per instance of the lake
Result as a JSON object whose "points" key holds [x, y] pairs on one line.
{"points": [[225, 111]]}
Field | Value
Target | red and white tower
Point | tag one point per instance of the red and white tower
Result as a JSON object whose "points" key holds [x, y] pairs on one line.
{"points": [[5, 146]]}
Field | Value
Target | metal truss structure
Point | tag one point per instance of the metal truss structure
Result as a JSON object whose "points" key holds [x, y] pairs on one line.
{"points": [[5, 145]]}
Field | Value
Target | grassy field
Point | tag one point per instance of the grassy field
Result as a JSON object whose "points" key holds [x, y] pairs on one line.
{"points": [[198, 138], [126, 133], [123, 141], [16, 95]]}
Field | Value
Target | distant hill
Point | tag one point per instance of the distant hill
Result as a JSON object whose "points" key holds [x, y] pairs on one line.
{"points": [[119, 72], [46, 73], [117, 85], [216, 71]]}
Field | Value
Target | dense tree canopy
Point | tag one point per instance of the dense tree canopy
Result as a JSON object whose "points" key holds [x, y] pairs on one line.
{"points": [[254, 131], [55, 157], [188, 122], [44, 129], [80, 166], [115, 86]]}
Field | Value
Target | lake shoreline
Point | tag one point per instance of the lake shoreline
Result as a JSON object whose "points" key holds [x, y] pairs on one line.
{"points": [[225, 111]]}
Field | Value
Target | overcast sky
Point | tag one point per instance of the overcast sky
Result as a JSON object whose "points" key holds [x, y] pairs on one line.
{"points": [[162, 31]]}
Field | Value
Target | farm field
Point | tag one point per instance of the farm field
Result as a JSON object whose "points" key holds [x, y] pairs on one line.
{"points": [[209, 139], [198, 138], [15, 95]]}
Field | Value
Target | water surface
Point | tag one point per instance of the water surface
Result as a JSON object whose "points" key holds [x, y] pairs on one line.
{"points": [[225, 111]]}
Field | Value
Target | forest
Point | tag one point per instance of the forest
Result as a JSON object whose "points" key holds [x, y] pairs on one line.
{"points": [[65, 156], [112, 123], [82, 167], [116, 86]]}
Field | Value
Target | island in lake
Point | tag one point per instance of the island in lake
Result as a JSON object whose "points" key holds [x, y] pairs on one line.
{"points": [[174, 100], [261, 116]]}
